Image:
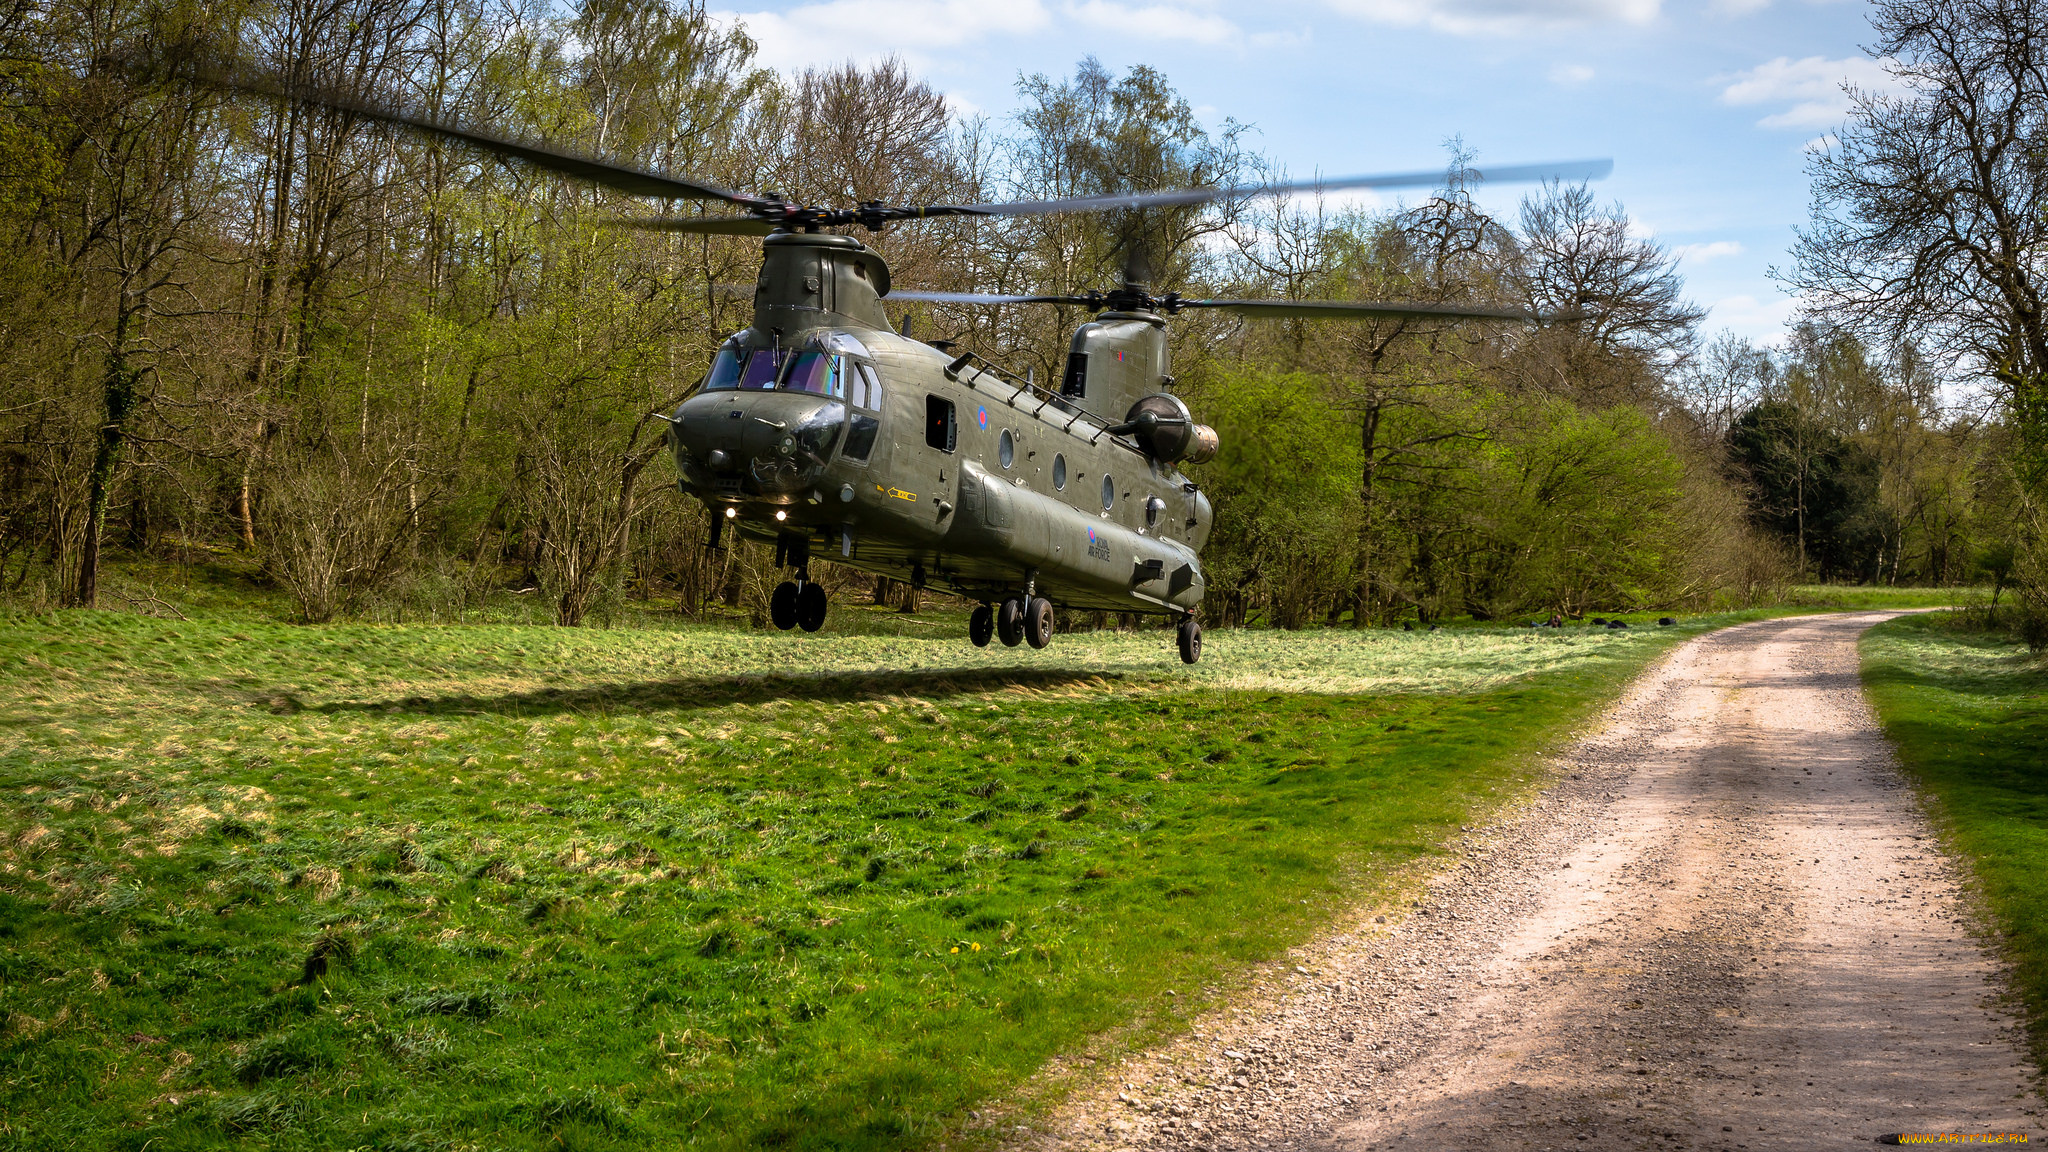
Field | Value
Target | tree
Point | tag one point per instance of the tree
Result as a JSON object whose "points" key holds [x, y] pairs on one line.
{"points": [[1926, 225]]}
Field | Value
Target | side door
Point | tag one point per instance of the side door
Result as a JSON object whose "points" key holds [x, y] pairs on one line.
{"points": [[924, 458]]}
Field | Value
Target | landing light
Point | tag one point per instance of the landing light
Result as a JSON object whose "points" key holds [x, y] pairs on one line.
{"points": [[781, 515], [731, 512]]}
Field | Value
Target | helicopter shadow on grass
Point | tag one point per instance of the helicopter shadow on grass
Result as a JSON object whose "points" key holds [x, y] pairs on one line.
{"points": [[696, 693]]}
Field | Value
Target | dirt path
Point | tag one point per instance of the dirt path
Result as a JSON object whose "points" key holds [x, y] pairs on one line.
{"points": [[1727, 926]]}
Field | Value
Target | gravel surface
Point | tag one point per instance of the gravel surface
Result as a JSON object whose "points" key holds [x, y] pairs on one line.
{"points": [[1727, 925]]}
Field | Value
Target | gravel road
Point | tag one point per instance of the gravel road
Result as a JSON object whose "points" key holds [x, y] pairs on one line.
{"points": [[1726, 926]]}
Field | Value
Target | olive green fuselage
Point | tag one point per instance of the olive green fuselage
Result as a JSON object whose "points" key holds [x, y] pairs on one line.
{"points": [[824, 431]]}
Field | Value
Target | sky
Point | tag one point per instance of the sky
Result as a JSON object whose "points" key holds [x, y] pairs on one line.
{"points": [[1706, 107]]}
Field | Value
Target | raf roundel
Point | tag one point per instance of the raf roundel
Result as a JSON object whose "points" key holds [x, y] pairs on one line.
{"points": [[981, 418]]}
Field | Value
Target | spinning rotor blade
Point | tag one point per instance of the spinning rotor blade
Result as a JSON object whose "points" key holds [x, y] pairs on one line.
{"points": [[1350, 310], [1521, 173], [634, 181], [984, 298], [716, 225]]}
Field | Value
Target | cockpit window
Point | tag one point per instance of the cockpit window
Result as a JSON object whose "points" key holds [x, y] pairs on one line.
{"points": [[761, 368], [815, 372], [725, 370], [864, 388]]}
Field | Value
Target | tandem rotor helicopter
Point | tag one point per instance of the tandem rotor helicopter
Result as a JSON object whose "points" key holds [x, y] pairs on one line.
{"points": [[823, 431]]}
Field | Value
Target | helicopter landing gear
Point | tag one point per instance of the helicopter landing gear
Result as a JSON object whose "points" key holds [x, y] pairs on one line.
{"points": [[1038, 621], [798, 602], [1010, 622], [981, 626], [1189, 634], [810, 607]]}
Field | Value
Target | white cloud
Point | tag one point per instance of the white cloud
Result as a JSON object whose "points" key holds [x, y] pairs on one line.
{"points": [[836, 31], [1738, 7], [1712, 250], [925, 32], [1756, 319], [1570, 75], [1812, 86], [1155, 22], [1500, 17]]}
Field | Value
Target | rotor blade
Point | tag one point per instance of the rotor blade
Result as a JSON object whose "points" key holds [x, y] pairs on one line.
{"points": [[634, 181], [717, 225], [1350, 310], [1517, 174], [983, 298]]}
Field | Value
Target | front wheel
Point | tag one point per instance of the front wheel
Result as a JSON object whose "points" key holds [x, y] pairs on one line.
{"points": [[1190, 638], [782, 605], [810, 607], [981, 626]]}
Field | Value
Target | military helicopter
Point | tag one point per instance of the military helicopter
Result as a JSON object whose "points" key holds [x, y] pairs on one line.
{"points": [[824, 431]]}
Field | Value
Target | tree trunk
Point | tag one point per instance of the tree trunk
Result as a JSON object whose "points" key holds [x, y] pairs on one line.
{"points": [[121, 388]]}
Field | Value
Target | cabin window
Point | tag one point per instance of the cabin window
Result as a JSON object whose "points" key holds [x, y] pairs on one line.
{"points": [[864, 388], [1153, 507], [939, 431], [1108, 491], [1076, 381], [817, 372], [1006, 448], [1059, 471]]}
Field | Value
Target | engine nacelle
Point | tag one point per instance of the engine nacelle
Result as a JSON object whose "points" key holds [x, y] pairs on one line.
{"points": [[1167, 432]]}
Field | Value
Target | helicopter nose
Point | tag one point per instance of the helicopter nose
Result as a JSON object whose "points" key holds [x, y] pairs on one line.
{"points": [[757, 443]]}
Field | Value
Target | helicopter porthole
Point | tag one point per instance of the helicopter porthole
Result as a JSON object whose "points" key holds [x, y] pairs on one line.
{"points": [[1006, 448], [1059, 471], [1108, 491]]}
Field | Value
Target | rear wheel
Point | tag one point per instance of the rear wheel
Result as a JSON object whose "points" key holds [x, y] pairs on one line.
{"points": [[981, 626], [810, 607], [1038, 621], [1010, 622], [1190, 638], [782, 605]]}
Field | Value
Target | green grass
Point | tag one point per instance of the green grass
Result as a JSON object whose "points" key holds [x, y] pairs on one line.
{"points": [[507, 887], [1968, 713], [1851, 597]]}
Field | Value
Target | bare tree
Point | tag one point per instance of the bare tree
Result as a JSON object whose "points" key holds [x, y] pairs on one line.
{"points": [[1926, 222]]}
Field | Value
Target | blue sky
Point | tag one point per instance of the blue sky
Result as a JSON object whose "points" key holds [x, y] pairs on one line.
{"points": [[1705, 106]]}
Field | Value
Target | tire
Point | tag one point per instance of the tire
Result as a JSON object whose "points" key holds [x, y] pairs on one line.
{"points": [[1190, 636], [981, 626], [1010, 623], [782, 605], [810, 607], [1038, 621]]}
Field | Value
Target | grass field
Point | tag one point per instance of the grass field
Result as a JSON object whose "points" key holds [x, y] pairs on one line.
{"points": [[1968, 713], [495, 886], [504, 887]]}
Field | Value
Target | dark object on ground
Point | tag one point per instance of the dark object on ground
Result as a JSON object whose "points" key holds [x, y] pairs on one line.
{"points": [[1617, 623], [1432, 627], [1665, 622], [1599, 620], [1407, 627]]}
